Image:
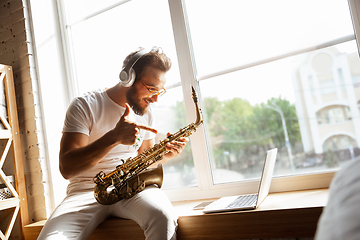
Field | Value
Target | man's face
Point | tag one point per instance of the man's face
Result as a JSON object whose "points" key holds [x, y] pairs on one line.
{"points": [[138, 94]]}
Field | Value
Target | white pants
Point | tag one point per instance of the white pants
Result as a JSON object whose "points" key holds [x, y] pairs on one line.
{"points": [[79, 214]]}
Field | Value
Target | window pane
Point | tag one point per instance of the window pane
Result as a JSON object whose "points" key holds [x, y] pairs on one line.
{"points": [[275, 105], [80, 9], [101, 43], [170, 117], [232, 33]]}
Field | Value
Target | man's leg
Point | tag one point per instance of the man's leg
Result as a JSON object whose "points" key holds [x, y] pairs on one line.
{"points": [[152, 210], [75, 218]]}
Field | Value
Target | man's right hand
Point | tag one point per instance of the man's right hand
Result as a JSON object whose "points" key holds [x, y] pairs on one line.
{"points": [[126, 131]]}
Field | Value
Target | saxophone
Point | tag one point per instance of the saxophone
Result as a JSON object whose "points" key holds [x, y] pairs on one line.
{"points": [[133, 176]]}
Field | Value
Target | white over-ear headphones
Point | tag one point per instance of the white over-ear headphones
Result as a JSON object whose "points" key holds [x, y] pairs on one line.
{"points": [[127, 74]]}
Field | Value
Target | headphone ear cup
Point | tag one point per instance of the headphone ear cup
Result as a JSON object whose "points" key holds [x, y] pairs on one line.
{"points": [[127, 74], [123, 75], [127, 79]]}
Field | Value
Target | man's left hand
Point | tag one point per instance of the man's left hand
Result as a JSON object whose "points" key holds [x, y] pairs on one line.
{"points": [[175, 147]]}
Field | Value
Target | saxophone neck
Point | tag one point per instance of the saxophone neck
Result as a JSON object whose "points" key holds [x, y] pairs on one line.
{"points": [[199, 119]]}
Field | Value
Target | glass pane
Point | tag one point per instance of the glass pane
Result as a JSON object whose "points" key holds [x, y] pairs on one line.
{"points": [[170, 117], [305, 105], [101, 43], [232, 33], [80, 9]]}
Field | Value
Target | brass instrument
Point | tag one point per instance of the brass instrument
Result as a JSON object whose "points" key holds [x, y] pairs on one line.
{"points": [[133, 176]]}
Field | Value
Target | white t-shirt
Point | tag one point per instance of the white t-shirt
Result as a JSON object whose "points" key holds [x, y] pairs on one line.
{"points": [[340, 219], [94, 115]]}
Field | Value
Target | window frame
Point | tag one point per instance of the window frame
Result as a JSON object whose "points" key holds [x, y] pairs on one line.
{"points": [[189, 77], [206, 189]]}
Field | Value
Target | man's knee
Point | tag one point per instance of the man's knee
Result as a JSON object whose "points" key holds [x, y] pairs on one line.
{"points": [[162, 223], [163, 218]]}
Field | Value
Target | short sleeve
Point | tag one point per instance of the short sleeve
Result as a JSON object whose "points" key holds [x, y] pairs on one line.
{"points": [[78, 117]]}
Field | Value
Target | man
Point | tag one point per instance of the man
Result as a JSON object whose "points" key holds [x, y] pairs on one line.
{"points": [[101, 130], [340, 219]]}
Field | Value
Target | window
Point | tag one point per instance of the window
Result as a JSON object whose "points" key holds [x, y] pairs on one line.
{"points": [[102, 38], [333, 114], [264, 70]]}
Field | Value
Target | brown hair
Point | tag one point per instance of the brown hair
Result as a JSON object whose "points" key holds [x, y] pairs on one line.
{"points": [[155, 58]]}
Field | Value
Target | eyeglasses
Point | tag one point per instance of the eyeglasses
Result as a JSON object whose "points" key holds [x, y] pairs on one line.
{"points": [[154, 92]]}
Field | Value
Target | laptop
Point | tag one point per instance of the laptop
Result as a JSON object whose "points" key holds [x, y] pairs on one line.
{"points": [[247, 201]]}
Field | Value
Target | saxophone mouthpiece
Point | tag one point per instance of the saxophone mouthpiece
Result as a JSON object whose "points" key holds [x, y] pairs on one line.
{"points": [[194, 95]]}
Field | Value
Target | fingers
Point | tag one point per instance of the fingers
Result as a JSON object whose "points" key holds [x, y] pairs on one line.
{"points": [[127, 111], [147, 128], [133, 132], [138, 126], [177, 146], [137, 131]]}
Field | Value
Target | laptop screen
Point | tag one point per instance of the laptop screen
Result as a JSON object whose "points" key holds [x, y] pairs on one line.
{"points": [[266, 176]]}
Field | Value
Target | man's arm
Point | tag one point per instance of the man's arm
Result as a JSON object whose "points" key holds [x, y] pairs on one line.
{"points": [[77, 155]]}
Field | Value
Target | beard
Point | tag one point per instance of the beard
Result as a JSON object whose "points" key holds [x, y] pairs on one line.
{"points": [[134, 102]]}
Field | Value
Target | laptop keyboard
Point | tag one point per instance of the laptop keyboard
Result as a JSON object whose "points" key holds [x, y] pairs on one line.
{"points": [[243, 201]]}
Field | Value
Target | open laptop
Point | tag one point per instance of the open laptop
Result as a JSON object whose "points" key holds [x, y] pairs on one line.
{"points": [[248, 201]]}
